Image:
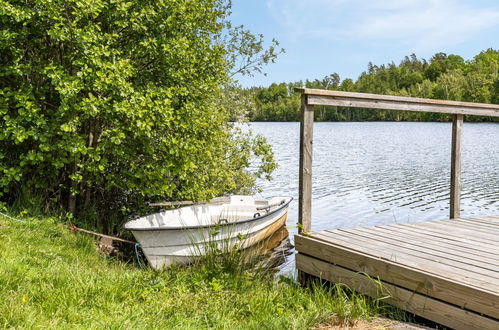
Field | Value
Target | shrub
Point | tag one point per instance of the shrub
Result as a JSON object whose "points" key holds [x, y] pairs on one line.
{"points": [[105, 104]]}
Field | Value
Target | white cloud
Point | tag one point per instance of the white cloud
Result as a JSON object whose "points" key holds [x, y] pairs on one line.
{"points": [[423, 24]]}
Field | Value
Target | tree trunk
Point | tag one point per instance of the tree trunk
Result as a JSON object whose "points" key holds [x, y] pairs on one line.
{"points": [[72, 196]]}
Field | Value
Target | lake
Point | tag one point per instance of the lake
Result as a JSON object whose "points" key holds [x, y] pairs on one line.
{"points": [[377, 173]]}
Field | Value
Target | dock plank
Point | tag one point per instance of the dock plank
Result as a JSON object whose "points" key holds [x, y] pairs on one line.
{"points": [[405, 250], [490, 218], [456, 232], [441, 312], [444, 252], [445, 238], [411, 257], [452, 262], [456, 247], [470, 227], [456, 291], [480, 224]]}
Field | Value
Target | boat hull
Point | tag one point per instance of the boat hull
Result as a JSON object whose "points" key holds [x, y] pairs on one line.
{"points": [[163, 248]]}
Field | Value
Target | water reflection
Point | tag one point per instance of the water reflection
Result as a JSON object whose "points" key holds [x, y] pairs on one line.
{"points": [[274, 251]]}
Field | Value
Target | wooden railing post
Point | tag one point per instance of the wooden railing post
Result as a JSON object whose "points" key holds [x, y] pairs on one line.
{"points": [[455, 171], [305, 187]]}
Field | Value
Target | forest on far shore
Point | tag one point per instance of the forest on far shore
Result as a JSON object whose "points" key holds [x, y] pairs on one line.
{"points": [[447, 77]]}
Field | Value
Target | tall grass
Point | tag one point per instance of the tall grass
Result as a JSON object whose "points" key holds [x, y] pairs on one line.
{"points": [[51, 278], [229, 251]]}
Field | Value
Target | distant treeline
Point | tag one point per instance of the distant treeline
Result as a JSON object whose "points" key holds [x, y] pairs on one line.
{"points": [[444, 76]]}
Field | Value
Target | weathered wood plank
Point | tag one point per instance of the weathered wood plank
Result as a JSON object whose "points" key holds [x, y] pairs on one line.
{"points": [[472, 228], [418, 259], [441, 312], [435, 242], [436, 250], [108, 238], [455, 172], [476, 224], [390, 102], [493, 221], [475, 227], [457, 231], [370, 96], [476, 246], [457, 291], [305, 184], [387, 105]]}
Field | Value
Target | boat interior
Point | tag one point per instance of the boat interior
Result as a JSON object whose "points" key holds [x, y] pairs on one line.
{"points": [[220, 210]]}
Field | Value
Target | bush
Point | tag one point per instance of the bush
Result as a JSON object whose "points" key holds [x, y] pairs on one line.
{"points": [[107, 104]]}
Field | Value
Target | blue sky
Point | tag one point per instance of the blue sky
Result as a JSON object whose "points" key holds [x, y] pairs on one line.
{"points": [[325, 36]]}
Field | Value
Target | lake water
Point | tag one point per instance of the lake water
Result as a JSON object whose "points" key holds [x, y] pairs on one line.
{"points": [[377, 173]]}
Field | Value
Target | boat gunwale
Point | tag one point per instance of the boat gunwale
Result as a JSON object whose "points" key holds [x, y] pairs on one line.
{"points": [[207, 226]]}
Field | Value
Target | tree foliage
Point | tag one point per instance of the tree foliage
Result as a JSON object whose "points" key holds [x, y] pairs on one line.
{"points": [[106, 104], [444, 76]]}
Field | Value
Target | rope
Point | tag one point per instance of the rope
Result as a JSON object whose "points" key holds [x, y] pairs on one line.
{"points": [[136, 247], [11, 218]]}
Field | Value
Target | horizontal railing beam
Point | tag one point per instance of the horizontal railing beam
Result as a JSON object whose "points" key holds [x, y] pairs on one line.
{"points": [[402, 103]]}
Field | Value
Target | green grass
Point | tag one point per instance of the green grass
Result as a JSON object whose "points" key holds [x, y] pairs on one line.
{"points": [[51, 278]]}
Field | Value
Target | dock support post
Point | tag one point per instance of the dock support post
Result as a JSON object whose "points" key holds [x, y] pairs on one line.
{"points": [[455, 181], [305, 186]]}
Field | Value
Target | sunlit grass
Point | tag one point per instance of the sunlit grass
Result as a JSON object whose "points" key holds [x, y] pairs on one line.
{"points": [[52, 278]]}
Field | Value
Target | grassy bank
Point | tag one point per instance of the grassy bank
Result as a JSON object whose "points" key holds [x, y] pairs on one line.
{"points": [[52, 278]]}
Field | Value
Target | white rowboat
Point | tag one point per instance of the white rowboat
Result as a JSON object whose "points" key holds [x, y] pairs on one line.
{"points": [[180, 235]]}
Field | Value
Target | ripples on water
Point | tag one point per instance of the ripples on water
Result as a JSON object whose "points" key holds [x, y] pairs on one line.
{"points": [[374, 173]]}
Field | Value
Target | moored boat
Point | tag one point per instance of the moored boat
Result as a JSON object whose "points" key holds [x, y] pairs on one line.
{"points": [[180, 235]]}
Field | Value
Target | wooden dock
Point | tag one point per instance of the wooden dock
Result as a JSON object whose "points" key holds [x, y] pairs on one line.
{"points": [[446, 271]]}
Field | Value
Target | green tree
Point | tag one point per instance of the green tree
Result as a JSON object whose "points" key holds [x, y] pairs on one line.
{"points": [[109, 103], [444, 77], [482, 75]]}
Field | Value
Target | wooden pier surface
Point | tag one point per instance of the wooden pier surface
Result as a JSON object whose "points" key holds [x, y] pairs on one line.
{"points": [[446, 271]]}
